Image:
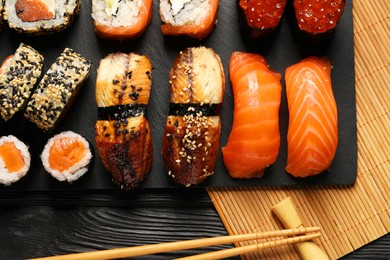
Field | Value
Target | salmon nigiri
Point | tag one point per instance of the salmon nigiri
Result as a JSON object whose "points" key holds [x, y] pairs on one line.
{"points": [[312, 132], [254, 141], [121, 20]]}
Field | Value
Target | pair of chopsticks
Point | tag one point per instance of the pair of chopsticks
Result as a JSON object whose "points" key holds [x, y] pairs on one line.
{"points": [[297, 236]]}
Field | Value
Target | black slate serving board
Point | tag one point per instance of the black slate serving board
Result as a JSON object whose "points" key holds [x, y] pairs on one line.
{"points": [[281, 49]]}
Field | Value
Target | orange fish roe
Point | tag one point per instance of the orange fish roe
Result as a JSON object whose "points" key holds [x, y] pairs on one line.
{"points": [[66, 152], [11, 157], [33, 10]]}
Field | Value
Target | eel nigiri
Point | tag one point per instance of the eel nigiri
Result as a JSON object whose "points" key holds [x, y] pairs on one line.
{"points": [[121, 20], [312, 131], [194, 18], [193, 127], [123, 135], [254, 141]]}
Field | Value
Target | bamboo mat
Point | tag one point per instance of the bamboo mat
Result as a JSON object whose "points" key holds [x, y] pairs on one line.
{"points": [[350, 217]]}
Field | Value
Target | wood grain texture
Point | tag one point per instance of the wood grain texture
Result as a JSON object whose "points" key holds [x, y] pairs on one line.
{"points": [[349, 216]]}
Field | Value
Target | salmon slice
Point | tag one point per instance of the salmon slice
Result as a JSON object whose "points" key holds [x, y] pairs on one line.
{"points": [[34, 10], [123, 31], [11, 157], [312, 132], [254, 141], [66, 152]]}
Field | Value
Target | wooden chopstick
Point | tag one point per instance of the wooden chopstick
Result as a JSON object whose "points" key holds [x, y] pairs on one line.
{"points": [[179, 245], [250, 248]]}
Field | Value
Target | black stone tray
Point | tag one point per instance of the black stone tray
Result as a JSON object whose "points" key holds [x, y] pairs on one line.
{"points": [[281, 49]]}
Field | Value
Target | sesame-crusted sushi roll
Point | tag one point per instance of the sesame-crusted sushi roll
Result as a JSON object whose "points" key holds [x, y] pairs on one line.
{"points": [[1, 13], [194, 18], [57, 90], [121, 20], [40, 16], [14, 159], [123, 135], [192, 130], [66, 156], [18, 75]]}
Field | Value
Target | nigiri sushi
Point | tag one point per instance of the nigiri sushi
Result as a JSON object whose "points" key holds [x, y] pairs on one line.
{"points": [[194, 18], [121, 20], [192, 131], [123, 135], [15, 159], [18, 76], [312, 131], [317, 19], [40, 16], [66, 156], [57, 90], [260, 17], [254, 141]]}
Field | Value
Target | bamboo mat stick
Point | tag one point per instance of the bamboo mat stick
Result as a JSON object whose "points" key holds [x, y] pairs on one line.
{"points": [[181, 245], [251, 248]]}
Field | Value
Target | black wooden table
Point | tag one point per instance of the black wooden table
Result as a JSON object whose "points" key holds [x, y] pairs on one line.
{"points": [[39, 224]]}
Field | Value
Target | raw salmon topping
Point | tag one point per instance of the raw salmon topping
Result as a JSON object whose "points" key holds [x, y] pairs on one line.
{"points": [[11, 157], [33, 10], [66, 152]]}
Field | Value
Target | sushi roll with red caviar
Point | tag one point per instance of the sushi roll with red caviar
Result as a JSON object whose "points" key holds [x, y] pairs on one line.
{"points": [[14, 160], [57, 90], [258, 17], [40, 16], [66, 156], [194, 18], [18, 75], [317, 19], [121, 20]]}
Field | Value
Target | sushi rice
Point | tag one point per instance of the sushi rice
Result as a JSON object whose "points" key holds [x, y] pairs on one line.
{"points": [[6, 177], [184, 12], [76, 170], [115, 13]]}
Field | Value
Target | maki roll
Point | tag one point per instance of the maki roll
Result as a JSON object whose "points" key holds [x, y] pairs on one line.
{"points": [[1, 13], [121, 19], [258, 17], [194, 18], [40, 16], [57, 90], [18, 75], [14, 159], [192, 130], [317, 19], [123, 135], [66, 156]]}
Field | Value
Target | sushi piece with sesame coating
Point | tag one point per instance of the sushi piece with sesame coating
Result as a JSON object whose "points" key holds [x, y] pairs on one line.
{"points": [[1, 13], [191, 139], [57, 90], [18, 75], [123, 135]]}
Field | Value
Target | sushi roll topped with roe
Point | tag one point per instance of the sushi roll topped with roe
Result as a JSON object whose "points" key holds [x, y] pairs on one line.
{"points": [[14, 159], [66, 156]]}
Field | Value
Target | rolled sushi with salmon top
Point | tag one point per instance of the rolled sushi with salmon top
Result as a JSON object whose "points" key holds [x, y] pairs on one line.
{"points": [[121, 19], [40, 16], [194, 18], [66, 156], [14, 160]]}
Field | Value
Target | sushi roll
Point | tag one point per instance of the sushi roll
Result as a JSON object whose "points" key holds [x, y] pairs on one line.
{"points": [[14, 159], [123, 135], [194, 18], [258, 17], [18, 75], [66, 156], [121, 19], [40, 16], [57, 90], [192, 130], [1, 13], [317, 19]]}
